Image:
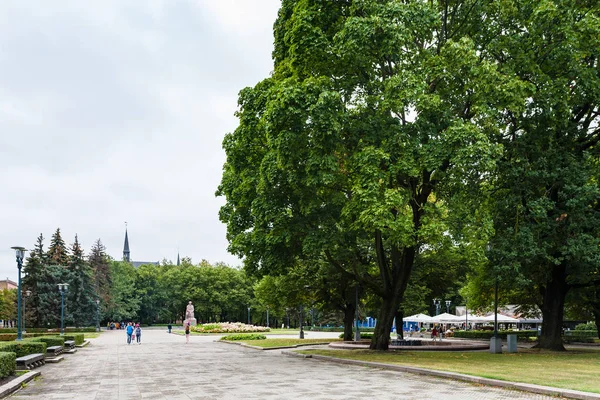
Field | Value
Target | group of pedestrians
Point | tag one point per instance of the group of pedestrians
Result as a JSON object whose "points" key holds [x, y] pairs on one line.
{"points": [[134, 333]]}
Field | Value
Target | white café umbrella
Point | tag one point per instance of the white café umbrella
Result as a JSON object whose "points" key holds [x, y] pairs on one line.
{"points": [[417, 318], [447, 319], [501, 319]]}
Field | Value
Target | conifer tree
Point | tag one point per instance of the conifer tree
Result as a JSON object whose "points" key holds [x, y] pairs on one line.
{"points": [[57, 253], [33, 271], [81, 297], [100, 263]]}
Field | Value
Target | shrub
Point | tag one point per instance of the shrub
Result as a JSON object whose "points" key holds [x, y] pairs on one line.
{"points": [[8, 330], [590, 326], [7, 337], [251, 336], [7, 364], [228, 327], [580, 336], [488, 334], [24, 347], [77, 337], [363, 335], [334, 329], [49, 340]]}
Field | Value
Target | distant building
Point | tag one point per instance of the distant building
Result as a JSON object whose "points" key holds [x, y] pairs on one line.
{"points": [[8, 284], [127, 254]]}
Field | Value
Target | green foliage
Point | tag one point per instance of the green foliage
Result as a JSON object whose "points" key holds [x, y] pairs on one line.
{"points": [[77, 337], [590, 326], [24, 347], [488, 334], [366, 335], [124, 302], [8, 364], [8, 304], [81, 297], [50, 340], [228, 327], [251, 336]]}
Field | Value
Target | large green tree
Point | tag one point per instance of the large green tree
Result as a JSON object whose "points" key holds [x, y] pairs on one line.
{"points": [[376, 112], [546, 199], [57, 253], [99, 262]]}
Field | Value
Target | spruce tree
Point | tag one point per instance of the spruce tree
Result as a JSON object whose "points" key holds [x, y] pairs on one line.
{"points": [[100, 265], [57, 253], [33, 271], [81, 307]]}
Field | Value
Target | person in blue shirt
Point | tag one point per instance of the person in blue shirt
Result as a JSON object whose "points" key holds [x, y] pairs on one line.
{"points": [[129, 332]]}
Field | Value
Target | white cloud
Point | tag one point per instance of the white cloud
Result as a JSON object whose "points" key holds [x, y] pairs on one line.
{"points": [[111, 112]]}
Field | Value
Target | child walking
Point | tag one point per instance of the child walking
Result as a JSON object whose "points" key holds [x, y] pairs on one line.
{"points": [[138, 334]]}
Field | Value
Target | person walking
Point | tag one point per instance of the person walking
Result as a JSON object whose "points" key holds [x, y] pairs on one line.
{"points": [[169, 327], [129, 332], [187, 333], [138, 334]]}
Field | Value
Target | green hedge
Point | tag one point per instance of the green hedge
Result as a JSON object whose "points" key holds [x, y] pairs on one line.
{"points": [[489, 334], [251, 336], [7, 364], [24, 347], [580, 336], [333, 329], [77, 337], [363, 335], [49, 340], [7, 337]]}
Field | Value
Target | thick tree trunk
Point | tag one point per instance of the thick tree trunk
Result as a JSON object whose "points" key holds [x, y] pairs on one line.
{"points": [[387, 312], [399, 324], [596, 312], [349, 311], [553, 311]]}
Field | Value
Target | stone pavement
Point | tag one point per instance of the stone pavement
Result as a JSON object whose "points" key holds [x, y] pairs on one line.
{"points": [[164, 367]]}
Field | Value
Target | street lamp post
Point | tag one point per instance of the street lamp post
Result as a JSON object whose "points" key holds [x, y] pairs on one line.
{"points": [[248, 315], [301, 323], [62, 288], [268, 326], [437, 304], [495, 341], [27, 294], [97, 315], [448, 302], [20, 253], [356, 331]]}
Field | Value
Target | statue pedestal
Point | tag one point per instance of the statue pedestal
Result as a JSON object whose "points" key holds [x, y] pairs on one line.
{"points": [[192, 322]]}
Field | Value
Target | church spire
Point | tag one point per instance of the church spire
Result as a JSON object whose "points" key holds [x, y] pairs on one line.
{"points": [[178, 263], [126, 246]]}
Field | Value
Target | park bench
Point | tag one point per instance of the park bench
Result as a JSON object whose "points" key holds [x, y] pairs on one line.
{"points": [[30, 361], [69, 344], [54, 351]]}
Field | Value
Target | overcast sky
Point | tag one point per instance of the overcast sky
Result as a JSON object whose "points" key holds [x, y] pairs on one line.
{"points": [[114, 111]]}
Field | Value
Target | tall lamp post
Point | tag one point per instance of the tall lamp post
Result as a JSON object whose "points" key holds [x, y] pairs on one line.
{"points": [[448, 302], [357, 331], [268, 326], [97, 315], [495, 341], [437, 304], [248, 315], [20, 253], [27, 294], [301, 322], [62, 288]]}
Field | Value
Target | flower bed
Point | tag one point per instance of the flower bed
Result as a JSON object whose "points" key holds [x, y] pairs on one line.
{"points": [[228, 327]]}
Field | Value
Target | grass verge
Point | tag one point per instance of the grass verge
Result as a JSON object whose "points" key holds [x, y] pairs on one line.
{"points": [[578, 370], [91, 335], [284, 342]]}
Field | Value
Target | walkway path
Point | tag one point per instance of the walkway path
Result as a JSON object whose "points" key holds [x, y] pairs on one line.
{"points": [[164, 367]]}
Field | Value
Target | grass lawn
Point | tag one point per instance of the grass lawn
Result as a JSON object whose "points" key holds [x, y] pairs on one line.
{"points": [[577, 370], [279, 331], [91, 335], [271, 343]]}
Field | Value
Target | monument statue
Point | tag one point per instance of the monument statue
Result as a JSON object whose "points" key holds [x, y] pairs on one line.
{"points": [[189, 315], [189, 311]]}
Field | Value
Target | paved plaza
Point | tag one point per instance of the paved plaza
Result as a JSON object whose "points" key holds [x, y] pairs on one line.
{"points": [[165, 367]]}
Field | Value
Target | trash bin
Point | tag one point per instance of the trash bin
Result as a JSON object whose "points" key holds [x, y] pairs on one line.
{"points": [[512, 343]]}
